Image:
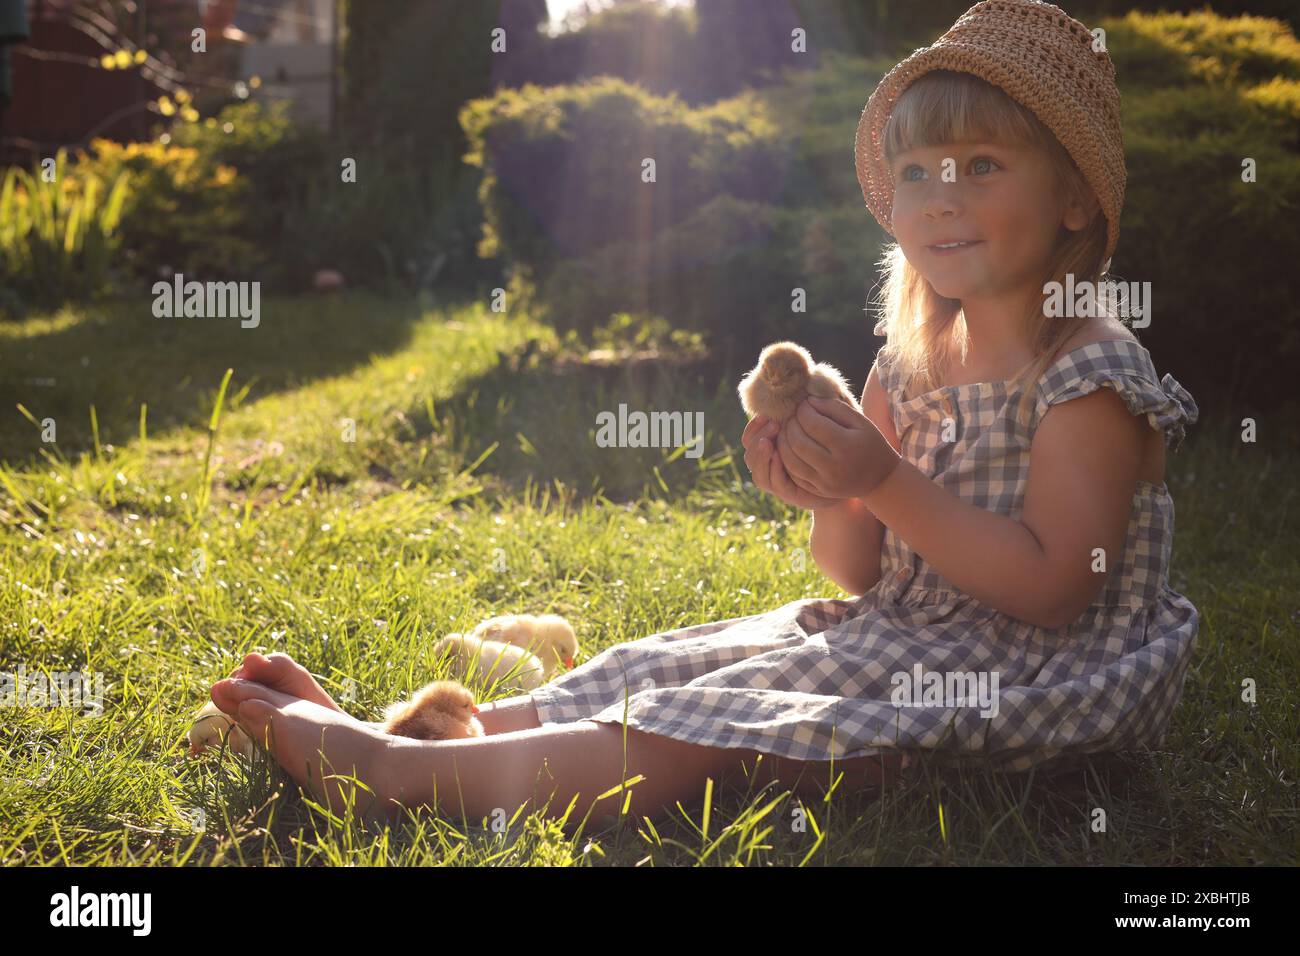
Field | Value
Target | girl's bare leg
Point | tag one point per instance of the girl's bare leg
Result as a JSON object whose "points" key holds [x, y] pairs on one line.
{"points": [[484, 776], [806, 778], [575, 762], [544, 768]]}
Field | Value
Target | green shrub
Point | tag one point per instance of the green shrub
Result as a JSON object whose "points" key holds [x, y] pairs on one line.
{"points": [[387, 230], [58, 237], [729, 272], [185, 213], [745, 209], [563, 165], [1201, 94], [1164, 49], [278, 161], [394, 227]]}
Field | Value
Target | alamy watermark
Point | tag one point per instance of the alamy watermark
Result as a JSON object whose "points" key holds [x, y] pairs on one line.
{"points": [[78, 690], [922, 688], [208, 300], [75, 908], [653, 430], [1099, 299]]}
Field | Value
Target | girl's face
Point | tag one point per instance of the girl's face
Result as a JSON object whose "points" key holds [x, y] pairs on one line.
{"points": [[1002, 200]]}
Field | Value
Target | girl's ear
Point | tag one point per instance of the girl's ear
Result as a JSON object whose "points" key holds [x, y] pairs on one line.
{"points": [[1080, 210]]}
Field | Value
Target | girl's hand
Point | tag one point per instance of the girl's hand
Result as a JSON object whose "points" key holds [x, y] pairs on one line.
{"points": [[834, 451], [764, 462]]}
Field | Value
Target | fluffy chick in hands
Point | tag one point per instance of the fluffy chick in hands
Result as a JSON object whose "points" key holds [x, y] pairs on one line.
{"points": [[784, 376]]}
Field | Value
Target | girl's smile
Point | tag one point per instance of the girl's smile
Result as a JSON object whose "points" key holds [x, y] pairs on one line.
{"points": [[947, 247]]}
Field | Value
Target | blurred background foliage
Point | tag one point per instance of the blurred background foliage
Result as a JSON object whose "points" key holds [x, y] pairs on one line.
{"points": [[523, 170]]}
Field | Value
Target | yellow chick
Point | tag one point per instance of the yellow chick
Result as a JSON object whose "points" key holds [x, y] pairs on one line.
{"points": [[549, 636], [211, 726], [784, 376], [442, 710], [477, 660]]}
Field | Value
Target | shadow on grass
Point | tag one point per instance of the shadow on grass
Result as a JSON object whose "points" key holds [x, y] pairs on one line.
{"points": [[118, 356], [548, 415]]}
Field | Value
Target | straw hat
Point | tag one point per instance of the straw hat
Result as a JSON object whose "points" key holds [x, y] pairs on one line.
{"points": [[1042, 58]]}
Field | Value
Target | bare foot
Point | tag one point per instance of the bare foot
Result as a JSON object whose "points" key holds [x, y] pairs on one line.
{"points": [[324, 751], [281, 672]]}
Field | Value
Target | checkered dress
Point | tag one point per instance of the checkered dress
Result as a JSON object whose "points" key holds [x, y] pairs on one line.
{"points": [[822, 678]]}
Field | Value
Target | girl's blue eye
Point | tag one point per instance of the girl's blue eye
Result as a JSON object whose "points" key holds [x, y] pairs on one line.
{"points": [[993, 163]]}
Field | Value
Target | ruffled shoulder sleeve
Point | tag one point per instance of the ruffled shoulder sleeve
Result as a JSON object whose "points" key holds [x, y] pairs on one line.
{"points": [[1126, 367]]}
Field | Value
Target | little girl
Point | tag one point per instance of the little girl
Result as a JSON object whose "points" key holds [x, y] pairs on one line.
{"points": [[998, 503]]}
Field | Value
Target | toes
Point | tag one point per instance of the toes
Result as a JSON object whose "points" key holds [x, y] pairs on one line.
{"points": [[252, 667], [283, 665], [258, 667], [254, 716], [228, 694]]}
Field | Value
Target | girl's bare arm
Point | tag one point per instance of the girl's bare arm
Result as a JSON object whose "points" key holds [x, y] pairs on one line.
{"points": [[846, 539], [1083, 472], [845, 543]]}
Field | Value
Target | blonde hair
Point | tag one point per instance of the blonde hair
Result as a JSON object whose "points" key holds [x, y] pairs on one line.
{"points": [[917, 322]]}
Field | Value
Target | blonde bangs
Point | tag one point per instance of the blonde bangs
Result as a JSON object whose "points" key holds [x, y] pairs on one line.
{"points": [[944, 106]]}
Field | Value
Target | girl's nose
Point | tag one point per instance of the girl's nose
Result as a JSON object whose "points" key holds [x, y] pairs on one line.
{"points": [[942, 198], [942, 201]]}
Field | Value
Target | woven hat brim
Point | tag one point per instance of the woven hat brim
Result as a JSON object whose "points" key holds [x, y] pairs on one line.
{"points": [[1078, 134]]}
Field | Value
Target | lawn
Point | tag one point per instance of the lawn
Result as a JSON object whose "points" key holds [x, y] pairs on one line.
{"points": [[375, 474]]}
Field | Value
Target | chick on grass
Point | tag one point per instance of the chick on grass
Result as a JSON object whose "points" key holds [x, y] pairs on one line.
{"points": [[548, 636], [784, 376], [511, 652], [211, 727], [442, 710], [491, 663]]}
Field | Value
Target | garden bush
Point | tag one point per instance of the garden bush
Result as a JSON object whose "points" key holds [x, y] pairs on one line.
{"points": [[757, 195], [59, 234], [563, 165], [185, 212], [1201, 94]]}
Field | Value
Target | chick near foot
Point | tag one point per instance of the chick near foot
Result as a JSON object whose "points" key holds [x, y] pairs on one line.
{"points": [[516, 652], [211, 727], [784, 376], [548, 636], [443, 710]]}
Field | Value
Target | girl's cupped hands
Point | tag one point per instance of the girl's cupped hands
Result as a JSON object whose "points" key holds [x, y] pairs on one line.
{"points": [[767, 469], [834, 451]]}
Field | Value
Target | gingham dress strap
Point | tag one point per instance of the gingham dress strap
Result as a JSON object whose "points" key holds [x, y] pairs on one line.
{"points": [[1126, 367]]}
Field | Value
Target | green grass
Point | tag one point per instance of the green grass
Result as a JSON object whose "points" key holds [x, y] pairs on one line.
{"points": [[159, 565]]}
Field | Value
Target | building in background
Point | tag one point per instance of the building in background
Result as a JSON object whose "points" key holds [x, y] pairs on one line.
{"points": [[63, 95], [290, 45]]}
